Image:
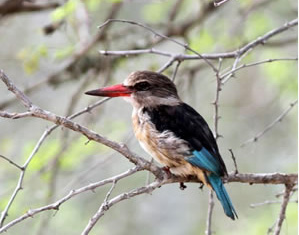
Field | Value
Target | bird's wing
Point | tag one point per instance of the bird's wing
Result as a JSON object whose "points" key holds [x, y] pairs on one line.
{"points": [[187, 124]]}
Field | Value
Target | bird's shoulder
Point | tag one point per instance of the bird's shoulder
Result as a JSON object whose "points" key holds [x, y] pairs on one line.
{"points": [[182, 120]]}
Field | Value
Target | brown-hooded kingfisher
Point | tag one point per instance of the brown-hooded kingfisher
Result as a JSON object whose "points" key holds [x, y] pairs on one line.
{"points": [[171, 131]]}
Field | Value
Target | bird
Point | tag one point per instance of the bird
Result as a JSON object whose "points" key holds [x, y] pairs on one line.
{"points": [[171, 131]]}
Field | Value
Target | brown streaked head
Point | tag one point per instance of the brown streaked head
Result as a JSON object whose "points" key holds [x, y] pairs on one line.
{"points": [[143, 89]]}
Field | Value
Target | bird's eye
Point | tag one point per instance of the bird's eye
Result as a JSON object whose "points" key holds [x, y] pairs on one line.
{"points": [[142, 86]]}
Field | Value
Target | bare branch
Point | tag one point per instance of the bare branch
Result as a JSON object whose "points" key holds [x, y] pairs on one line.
{"points": [[71, 194], [175, 70], [16, 6], [286, 198], [259, 178], [124, 196], [267, 202], [167, 65], [216, 101], [263, 39], [271, 125], [226, 76], [27, 102], [15, 115], [104, 207], [160, 35], [234, 160], [233, 54], [275, 178], [11, 87], [66, 122], [22, 174], [210, 213], [218, 3], [11, 162]]}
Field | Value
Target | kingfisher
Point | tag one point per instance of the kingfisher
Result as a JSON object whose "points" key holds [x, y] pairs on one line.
{"points": [[171, 131]]}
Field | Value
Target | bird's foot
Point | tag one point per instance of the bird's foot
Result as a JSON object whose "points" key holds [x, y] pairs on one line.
{"points": [[182, 186], [201, 185], [167, 170]]}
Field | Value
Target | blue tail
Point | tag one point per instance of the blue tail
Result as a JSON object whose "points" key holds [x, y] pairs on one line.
{"points": [[222, 195]]}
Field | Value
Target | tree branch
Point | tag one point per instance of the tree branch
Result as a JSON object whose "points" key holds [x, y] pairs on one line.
{"points": [[56, 205], [11, 162], [16, 6], [141, 164], [271, 125], [214, 56], [210, 213], [284, 204]]}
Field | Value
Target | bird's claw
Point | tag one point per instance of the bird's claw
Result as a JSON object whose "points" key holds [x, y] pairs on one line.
{"points": [[167, 170], [201, 185], [182, 186]]}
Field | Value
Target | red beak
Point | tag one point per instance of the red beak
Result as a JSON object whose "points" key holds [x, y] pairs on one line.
{"points": [[111, 91]]}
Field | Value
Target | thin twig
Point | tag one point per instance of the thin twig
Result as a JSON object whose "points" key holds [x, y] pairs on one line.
{"points": [[219, 3], [267, 202], [234, 160], [216, 133], [124, 196], [167, 65], [12, 162], [215, 56], [27, 103], [15, 115], [225, 77], [274, 178], [271, 125], [71, 194], [91, 135], [104, 207], [184, 45], [175, 70], [210, 213], [284, 204], [216, 101]]}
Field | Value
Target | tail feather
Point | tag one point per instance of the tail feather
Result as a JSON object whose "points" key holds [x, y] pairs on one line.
{"points": [[222, 195]]}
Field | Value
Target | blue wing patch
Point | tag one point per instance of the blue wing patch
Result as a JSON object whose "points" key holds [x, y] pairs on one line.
{"points": [[204, 159]]}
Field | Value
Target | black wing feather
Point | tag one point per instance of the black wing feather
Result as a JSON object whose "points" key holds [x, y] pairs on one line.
{"points": [[187, 124]]}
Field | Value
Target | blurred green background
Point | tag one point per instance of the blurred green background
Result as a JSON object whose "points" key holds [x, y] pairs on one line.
{"points": [[38, 62]]}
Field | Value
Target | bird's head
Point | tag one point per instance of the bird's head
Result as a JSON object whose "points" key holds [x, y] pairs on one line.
{"points": [[143, 89]]}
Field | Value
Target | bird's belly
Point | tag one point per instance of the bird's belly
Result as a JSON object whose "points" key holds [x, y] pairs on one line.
{"points": [[176, 163], [161, 155], [164, 147]]}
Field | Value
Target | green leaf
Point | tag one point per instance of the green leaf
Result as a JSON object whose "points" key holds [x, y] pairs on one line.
{"points": [[64, 52], [31, 57], [92, 5], [65, 10]]}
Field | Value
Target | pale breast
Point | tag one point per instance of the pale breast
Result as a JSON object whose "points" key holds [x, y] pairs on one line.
{"points": [[164, 147]]}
